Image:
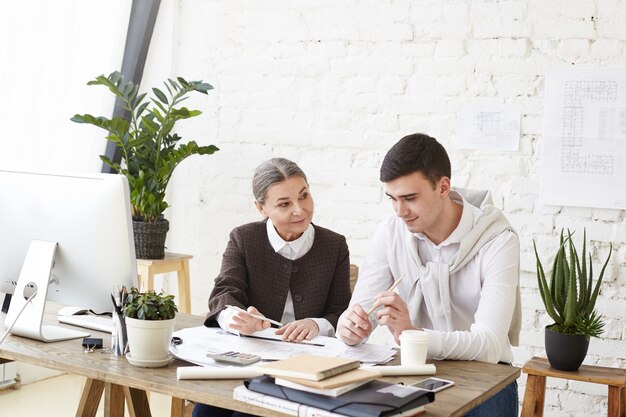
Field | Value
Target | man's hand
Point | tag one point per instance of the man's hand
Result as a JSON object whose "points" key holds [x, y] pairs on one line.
{"points": [[354, 325], [299, 330], [246, 324], [394, 314]]}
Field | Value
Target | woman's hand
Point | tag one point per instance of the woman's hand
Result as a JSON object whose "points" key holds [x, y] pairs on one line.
{"points": [[297, 331], [246, 324]]}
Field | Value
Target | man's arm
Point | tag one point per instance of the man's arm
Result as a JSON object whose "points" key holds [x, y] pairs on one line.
{"points": [[354, 325], [488, 335]]}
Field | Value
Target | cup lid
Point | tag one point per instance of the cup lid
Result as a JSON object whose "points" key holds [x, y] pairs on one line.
{"points": [[414, 336]]}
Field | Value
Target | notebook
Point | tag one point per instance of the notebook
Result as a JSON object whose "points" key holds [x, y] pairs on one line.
{"points": [[376, 398], [309, 367], [329, 392], [350, 377]]}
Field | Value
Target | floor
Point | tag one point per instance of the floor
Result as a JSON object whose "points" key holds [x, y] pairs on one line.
{"points": [[59, 397]]}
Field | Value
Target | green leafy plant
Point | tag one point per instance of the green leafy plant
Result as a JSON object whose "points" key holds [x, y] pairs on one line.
{"points": [[570, 296], [150, 151], [149, 305]]}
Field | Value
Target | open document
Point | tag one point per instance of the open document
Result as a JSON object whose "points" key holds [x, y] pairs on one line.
{"points": [[198, 341]]}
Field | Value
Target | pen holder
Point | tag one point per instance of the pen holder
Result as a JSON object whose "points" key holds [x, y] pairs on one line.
{"points": [[118, 339]]}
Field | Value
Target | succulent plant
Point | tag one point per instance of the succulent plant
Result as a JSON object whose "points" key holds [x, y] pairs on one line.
{"points": [[570, 296]]}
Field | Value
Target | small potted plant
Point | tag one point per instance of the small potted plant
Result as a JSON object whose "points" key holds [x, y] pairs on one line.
{"points": [[149, 319], [149, 150], [570, 298]]}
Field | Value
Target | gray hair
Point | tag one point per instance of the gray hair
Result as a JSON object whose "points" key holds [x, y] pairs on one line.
{"points": [[271, 172]]}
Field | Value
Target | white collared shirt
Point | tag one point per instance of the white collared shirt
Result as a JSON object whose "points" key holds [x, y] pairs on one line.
{"points": [[293, 250], [482, 293]]}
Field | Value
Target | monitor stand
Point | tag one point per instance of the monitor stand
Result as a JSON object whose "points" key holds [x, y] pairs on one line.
{"points": [[35, 274]]}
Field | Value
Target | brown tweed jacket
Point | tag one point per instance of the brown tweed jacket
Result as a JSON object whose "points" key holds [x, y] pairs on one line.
{"points": [[253, 274]]}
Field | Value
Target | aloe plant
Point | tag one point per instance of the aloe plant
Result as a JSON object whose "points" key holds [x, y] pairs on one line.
{"points": [[570, 296], [150, 151]]}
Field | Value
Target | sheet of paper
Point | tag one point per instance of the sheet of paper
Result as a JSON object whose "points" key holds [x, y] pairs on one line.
{"points": [[584, 139], [197, 341], [488, 127]]}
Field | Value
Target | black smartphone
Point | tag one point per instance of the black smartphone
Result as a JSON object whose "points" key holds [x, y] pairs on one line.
{"points": [[433, 384]]}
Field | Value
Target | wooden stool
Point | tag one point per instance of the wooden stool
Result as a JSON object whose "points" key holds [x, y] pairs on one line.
{"points": [[539, 368], [173, 262]]}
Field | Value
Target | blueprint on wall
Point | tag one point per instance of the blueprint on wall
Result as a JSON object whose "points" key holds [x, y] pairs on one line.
{"points": [[488, 127], [584, 139]]}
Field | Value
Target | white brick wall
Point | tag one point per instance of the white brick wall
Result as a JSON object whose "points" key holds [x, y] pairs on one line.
{"points": [[332, 85]]}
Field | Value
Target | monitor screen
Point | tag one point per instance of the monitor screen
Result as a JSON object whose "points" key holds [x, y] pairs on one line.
{"points": [[88, 215]]}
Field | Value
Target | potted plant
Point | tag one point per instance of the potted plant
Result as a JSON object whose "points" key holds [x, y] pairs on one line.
{"points": [[149, 150], [570, 298], [149, 318]]}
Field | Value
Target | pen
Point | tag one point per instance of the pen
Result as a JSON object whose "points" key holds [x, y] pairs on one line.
{"points": [[304, 342], [393, 287], [256, 316]]}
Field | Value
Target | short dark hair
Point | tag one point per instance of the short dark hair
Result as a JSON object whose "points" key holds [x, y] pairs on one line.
{"points": [[416, 153]]}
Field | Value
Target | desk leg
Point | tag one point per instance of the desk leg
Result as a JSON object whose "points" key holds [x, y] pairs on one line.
{"points": [[623, 402], [615, 394], [137, 401], [113, 400], [178, 407], [90, 398], [183, 288], [534, 396]]}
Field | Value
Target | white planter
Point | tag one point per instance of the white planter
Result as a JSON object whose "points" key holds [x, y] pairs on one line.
{"points": [[149, 340]]}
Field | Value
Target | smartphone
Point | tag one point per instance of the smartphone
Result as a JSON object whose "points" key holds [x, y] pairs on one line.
{"points": [[433, 384]]}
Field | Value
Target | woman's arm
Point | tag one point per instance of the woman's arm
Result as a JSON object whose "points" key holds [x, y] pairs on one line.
{"points": [[231, 285]]}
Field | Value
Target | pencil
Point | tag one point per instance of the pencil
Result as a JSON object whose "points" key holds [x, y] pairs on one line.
{"points": [[393, 287], [256, 316]]}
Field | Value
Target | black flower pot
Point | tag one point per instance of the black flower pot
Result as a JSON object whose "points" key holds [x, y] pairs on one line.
{"points": [[150, 238], [566, 352]]}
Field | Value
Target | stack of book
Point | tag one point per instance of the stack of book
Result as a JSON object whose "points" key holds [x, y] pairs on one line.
{"points": [[318, 386]]}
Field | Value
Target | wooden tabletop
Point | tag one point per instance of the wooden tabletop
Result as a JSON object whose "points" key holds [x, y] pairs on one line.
{"points": [[474, 381]]}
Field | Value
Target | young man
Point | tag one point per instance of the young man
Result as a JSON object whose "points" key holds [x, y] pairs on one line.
{"points": [[459, 259]]}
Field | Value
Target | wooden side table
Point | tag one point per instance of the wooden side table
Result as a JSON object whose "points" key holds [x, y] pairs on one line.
{"points": [[173, 262], [539, 368]]}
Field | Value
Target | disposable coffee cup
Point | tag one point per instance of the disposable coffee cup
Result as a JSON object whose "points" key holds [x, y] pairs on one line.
{"points": [[413, 347]]}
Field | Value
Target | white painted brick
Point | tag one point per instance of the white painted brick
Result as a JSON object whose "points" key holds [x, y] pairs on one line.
{"points": [[456, 14], [613, 29], [572, 49], [482, 29], [450, 48], [484, 11], [426, 12], [578, 9], [513, 10], [606, 48], [418, 48]]}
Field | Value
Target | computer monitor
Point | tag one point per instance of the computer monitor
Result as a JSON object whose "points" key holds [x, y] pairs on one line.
{"points": [[87, 215]]}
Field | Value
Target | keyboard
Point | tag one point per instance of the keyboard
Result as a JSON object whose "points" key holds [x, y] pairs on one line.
{"points": [[100, 323]]}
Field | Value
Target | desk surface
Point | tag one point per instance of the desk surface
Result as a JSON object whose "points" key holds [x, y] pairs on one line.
{"points": [[475, 381]]}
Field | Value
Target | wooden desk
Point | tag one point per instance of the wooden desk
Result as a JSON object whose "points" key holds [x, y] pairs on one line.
{"points": [[475, 381]]}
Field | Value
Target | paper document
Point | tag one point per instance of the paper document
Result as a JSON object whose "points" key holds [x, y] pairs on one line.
{"points": [[584, 139], [488, 127], [197, 341]]}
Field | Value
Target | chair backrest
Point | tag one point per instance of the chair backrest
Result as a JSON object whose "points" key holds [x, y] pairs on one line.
{"points": [[354, 274]]}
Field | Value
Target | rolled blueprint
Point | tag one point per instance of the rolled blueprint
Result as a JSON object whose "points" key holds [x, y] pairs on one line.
{"points": [[427, 369], [208, 372]]}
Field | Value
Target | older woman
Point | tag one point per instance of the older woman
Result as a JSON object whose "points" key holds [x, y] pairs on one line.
{"points": [[284, 268]]}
